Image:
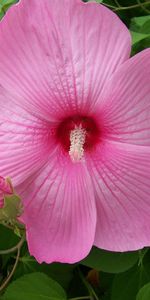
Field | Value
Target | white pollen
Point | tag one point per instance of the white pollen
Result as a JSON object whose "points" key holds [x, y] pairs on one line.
{"points": [[77, 140]]}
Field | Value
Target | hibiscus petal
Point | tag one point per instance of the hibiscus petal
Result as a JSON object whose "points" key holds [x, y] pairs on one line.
{"points": [[60, 55], [124, 108], [25, 141], [121, 177], [60, 213]]}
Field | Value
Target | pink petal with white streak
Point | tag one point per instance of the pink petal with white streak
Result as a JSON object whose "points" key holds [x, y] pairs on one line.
{"points": [[57, 58], [60, 213], [25, 141], [121, 178], [124, 107]]}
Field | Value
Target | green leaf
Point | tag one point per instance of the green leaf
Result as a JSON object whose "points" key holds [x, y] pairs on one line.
{"points": [[141, 45], [144, 293], [140, 28], [7, 238], [146, 27], [35, 286], [4, 5], [141, 24], [1, 14], [7, 3], [111, 262], [137, 37], [126, 285], [62, 273]]}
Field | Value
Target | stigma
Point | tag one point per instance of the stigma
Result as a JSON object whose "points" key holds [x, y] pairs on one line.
{"points": [[77, 141]]}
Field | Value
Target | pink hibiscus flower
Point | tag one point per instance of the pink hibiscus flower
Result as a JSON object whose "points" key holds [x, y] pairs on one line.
{"points": [[75, 128]]}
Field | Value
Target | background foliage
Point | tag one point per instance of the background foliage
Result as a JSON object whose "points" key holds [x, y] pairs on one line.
{"points": [[102, 275]]}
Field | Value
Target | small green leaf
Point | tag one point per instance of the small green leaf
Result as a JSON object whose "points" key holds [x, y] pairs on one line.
{"points": [[141, 45], [35, 286], [7, 3], [12, 208], [141, 24], [111, 262], [144, 293], [4, 5], [146, 27], [140, 28], [137, 37]]}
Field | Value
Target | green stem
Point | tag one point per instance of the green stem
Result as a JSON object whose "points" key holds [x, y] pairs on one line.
{"points": [[18, 248], [12, 272], [117, 3], [143, 7], [82, 298], [108, 5], [142, 253], [94, 294], [13, 249], [88, 286], [132, 6]]}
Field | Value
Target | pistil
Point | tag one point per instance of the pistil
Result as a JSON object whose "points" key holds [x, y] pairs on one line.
{"points": [[77, 140]]}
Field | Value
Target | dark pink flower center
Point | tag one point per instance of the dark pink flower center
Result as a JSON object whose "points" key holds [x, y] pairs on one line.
{"points": [[77, 134]]}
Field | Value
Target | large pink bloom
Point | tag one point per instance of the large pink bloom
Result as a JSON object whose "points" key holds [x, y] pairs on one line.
{"points": [[75, 128]]}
